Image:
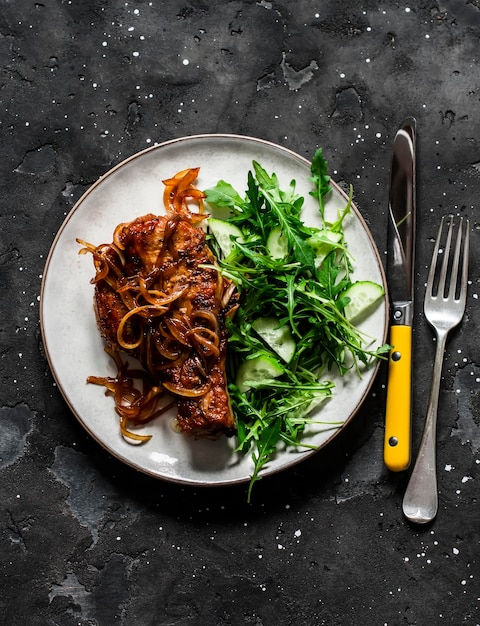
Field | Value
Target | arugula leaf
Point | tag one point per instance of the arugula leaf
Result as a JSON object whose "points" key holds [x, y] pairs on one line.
{"points": [[287, 214], [320, 179], [224, 195], [266, 446]]}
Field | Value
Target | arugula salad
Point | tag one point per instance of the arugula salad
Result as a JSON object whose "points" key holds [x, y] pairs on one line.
{"points": [[298, 308]]}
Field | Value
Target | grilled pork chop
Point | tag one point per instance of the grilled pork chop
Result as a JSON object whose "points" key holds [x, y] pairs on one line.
{"points": [[159, 303]]}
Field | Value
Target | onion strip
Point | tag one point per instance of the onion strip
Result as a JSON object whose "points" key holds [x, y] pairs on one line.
{"points": [[208, 316], [145, 311], [187, 393], [133, 406], [178, 190], [211, 345]]}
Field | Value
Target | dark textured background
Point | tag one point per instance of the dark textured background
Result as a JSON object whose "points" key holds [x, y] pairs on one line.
{"points": [[86, 540]]}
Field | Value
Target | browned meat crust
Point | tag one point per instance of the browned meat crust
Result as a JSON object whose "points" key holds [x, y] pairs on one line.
{"points": [[178, 332]]}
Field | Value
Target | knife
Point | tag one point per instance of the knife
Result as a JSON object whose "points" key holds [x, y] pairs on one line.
{"points": [[400, 277]]}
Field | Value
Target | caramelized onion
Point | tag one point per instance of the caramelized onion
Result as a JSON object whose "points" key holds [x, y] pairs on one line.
{"points": [[210, 343], [87, 247], [116, 235], [134, 406], [178, 390], [179, 329], [145, 311], [167, 242], [208, 316], [228, 293], [154, 297], [102, 268], [179, 190]]}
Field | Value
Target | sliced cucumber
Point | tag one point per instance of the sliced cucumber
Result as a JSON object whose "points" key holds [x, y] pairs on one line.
{"points": [[278, 338], [225, 234], [322, 243], [277, 244], [259, 369], [364, 295]]}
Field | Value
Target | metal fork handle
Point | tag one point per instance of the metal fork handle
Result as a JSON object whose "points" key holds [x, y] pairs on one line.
{"points": [[420, 502]]}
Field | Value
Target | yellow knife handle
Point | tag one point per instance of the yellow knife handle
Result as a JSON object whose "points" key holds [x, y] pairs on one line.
{"points": [[397, 444]]}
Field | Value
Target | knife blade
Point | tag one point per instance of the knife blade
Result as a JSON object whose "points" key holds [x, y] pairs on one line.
{"points": [[400, 278]]}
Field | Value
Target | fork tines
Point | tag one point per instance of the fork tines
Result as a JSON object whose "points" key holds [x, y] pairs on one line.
{"points": [[444, 274]]}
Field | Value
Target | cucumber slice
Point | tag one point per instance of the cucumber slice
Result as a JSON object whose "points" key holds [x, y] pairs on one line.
{"points": [[259, 369], [277, 244], [364, 295], [225, 235], [322, 243], [278, 338]]}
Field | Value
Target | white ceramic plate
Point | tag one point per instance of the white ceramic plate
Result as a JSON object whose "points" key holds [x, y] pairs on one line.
{"points": [[73, 344]]}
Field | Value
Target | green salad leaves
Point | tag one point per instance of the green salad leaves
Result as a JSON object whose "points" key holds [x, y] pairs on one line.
{"points": [[290, 329]]}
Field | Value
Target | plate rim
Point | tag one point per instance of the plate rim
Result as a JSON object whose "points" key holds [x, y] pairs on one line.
{"points": [[267, 471]]}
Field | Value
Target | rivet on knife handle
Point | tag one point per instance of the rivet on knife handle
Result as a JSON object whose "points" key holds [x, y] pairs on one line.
{"points": [[397, 444]]}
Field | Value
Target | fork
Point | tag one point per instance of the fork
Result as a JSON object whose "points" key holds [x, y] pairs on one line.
{"points": [[444, 308]]}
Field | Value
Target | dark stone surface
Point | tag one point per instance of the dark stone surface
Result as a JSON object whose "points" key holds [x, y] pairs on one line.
{"points": [[88, 541]]}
